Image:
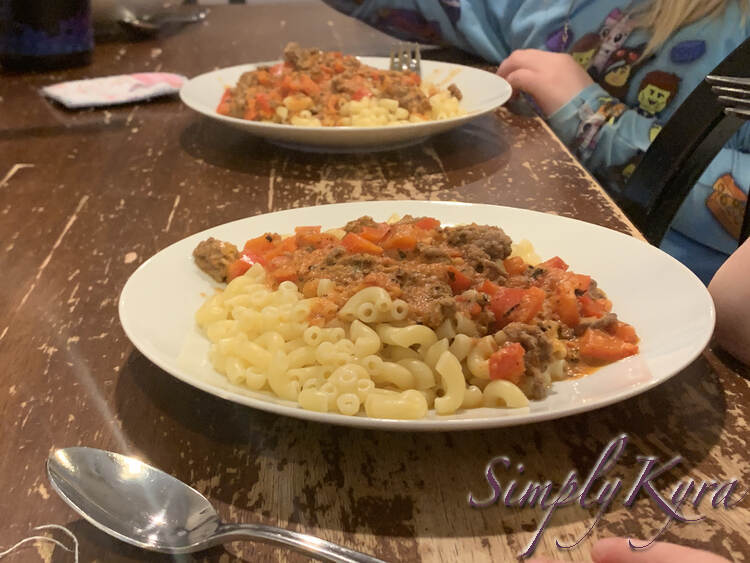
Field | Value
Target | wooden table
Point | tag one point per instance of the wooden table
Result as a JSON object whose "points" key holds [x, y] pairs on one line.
{"points": [[85, 197]]}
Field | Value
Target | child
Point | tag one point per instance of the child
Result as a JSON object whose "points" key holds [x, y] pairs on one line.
{"points": [[607, 75], [731, 292]]}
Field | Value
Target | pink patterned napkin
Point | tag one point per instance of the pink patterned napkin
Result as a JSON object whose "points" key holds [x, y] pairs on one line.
{"points": [[112, 90]]}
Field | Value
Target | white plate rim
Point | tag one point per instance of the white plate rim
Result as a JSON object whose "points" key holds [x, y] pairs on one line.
{"points": [[421, 425]]}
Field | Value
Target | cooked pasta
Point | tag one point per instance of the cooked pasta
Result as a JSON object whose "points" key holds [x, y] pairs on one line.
{"points": [[314, 319], [312, 88]]}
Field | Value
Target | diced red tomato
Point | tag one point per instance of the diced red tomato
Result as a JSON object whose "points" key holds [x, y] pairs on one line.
{"points": [[413, 77], [503, 301], [376, 233], [427, 223], [223, 107], [356, 244], [308, 86], [263, 104], [566, 304], [360, 93], [251, 112], [306, 230], [400, 237], [599, 346], [286, 246], [458, 280], [508, 363], [262, 244], [514, 304], [515, 265], [489, 288], [594, 307], [277, 69], [238, 268], [556, 262], [531, 303], [312, 237], [626, 332], [581, 282], [282, 268]]}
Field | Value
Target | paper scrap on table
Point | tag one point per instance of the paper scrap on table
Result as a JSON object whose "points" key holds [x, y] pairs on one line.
{"points": [[112, 90]]}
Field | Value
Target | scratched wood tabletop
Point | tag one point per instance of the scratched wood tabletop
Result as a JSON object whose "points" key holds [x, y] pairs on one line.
{"points": [[87, 196]]}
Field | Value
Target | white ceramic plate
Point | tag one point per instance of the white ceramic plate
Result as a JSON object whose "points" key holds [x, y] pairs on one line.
{"points": [[482, 92], [670, 308]]}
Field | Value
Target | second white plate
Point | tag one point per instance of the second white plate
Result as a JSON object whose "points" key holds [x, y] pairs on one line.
{"points": [[482, 93]]}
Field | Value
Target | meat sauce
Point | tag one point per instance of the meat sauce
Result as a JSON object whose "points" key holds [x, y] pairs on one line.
{"points": [[319, 82], [445, 273]]}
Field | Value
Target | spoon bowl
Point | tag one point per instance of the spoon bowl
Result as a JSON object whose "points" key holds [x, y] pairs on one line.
{"points": [[143, 506]]}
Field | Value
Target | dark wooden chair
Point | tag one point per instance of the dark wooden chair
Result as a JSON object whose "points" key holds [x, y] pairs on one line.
{"points": [[687, 144]]}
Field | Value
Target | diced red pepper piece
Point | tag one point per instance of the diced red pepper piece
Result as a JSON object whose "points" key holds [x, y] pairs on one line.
{"points": [[626, 332], [566, 304], [594, 307], [581, 282], [458, 280], [360, 93], [599, 346], [356, 244], [508, 363], [223, 107], [555, 262], [263, 104], [240, 266], [515, 265], [262, 244], [400, 237], [427, 223], [286, 246], [376, 233], [489, 288]]}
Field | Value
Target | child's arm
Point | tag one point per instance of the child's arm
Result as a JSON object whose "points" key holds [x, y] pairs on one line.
{"points": [[731, 292]]}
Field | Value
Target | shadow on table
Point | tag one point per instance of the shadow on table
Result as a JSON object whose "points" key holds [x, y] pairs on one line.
{"points": [[386, 482], [93, 542], [450, 160]]}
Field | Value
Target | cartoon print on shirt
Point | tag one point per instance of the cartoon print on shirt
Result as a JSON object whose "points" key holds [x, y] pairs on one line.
{"points": [[585, 48], [588, 131], [559, 40], [620, 67], [687, 51], [727, 204], [613, 33], [657, 90], [653, 131]]}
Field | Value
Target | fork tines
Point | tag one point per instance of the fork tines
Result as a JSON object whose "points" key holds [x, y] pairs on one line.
{"points": [[406, 56], [733, 94]]}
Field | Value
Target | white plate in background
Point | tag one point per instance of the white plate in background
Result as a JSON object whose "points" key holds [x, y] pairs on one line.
{"points": [[669, 307], [482, 93]]}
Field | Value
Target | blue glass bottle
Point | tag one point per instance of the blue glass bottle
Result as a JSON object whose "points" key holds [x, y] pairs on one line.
{"points": [[45, 34]]}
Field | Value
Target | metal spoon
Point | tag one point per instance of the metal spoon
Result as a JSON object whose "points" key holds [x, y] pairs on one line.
{"points": [[149, 25], [143, 506]]}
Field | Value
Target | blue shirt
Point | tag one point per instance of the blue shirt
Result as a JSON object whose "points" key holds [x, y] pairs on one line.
{"points": [[610, 124]]}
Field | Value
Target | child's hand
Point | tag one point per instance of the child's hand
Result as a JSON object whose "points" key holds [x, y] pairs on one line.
{"points": [[552, 79]]}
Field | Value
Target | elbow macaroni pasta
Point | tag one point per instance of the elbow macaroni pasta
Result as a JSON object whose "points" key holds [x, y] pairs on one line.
{"points": [[261, 339]]}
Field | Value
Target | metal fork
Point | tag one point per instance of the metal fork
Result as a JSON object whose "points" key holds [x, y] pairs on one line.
{"points": [[406, 56], [733, 93]]}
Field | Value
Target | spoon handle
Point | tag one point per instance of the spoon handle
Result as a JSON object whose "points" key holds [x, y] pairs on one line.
{"points": [[317, 547]]}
